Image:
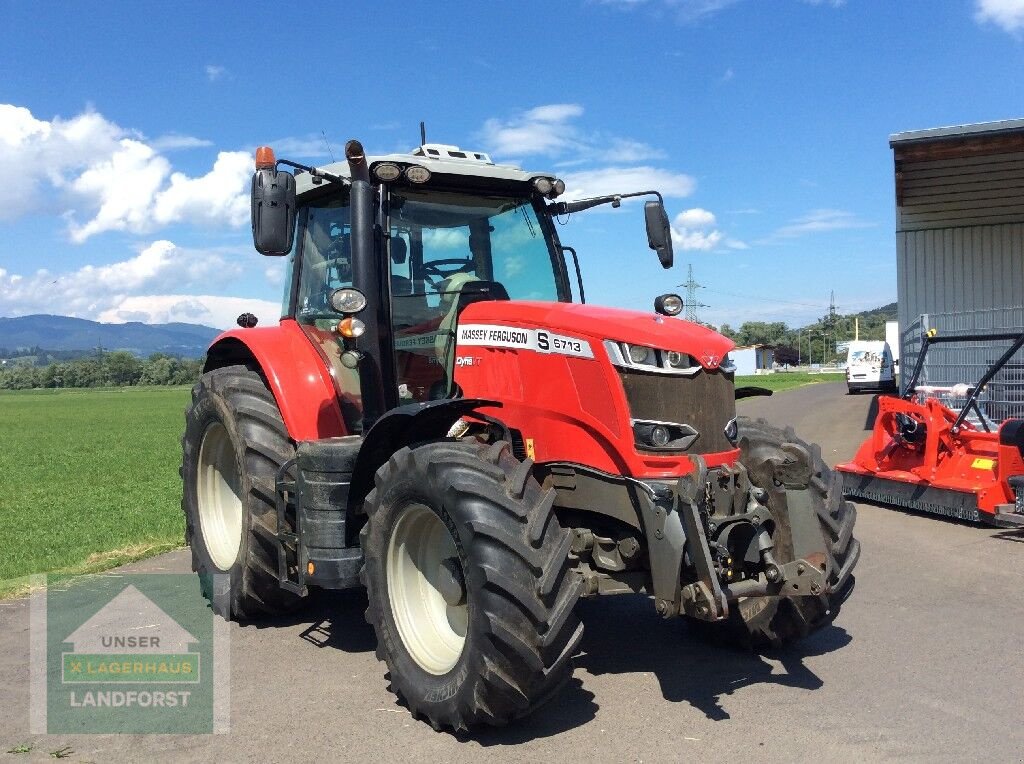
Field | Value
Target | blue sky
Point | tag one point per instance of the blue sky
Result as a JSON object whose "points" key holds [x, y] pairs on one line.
{"points": [[126, 132]]}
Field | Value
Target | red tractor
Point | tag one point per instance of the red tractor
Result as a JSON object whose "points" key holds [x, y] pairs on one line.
{"points": [[436, 419], [925, 454]]}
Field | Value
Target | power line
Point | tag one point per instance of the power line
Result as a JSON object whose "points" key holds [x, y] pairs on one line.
{"points": [[816, 306]]}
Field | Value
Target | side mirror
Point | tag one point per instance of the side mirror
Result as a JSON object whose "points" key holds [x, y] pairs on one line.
{"points": [[659, 232], [273, 211]]}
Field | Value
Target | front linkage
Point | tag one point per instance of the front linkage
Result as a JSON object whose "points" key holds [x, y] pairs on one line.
{"points": [[711, 539]]}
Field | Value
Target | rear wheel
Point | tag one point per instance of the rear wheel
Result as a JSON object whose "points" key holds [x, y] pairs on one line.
{"points": [[235, 441], [773, 621], [467, 576]]}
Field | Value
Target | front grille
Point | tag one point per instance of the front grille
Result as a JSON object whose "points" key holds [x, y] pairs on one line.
{"points": [[706, 402]]}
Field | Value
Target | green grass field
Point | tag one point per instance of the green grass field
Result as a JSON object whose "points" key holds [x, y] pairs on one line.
{"points": [[90, 479], [787, 380]]}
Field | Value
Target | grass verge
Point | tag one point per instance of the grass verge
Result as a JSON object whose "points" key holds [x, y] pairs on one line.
{"points": [[787, 380]]}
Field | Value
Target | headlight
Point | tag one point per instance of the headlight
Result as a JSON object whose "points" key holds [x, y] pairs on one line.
{"points": [[387, 171], [543, 185], [648, 359], [640, 354], [668, 305], [347, 300], [679, 360], [417, 174], [663, 436]]}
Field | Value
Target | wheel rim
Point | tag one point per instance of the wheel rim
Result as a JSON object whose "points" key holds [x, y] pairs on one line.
{"points": [[426, 588], [219, 495]]}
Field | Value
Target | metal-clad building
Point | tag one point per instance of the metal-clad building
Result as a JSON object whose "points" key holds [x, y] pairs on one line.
{"points": [[960, 246], [959, 218]]}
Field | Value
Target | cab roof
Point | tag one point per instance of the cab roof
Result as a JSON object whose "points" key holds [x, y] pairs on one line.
{"points": [[439, 159]]}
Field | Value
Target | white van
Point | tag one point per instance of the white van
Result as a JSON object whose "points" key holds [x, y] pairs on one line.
{"points": [[869, 366]]}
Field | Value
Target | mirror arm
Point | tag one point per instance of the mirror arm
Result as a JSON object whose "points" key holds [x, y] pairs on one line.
{"points": [[567, 208], [314, 172]]}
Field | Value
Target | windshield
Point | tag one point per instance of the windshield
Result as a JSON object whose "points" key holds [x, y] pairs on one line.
{"points": [[442, 240]]}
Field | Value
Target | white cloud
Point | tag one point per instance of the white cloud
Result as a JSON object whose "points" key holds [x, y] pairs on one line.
{"points": [[103, 177], [1006, 14], [610, 180], [695, 218], [123, 185], [175, 141], [215, 72], [44, 153], [217, 197], [123, 290], [819, 221], [544, 130], [692, 230], [696, 239], [625, 150], [210, 310], [691, 11], [695, 10]]}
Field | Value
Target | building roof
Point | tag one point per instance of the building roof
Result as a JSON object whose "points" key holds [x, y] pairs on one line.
{"points": [[1001, 127]]}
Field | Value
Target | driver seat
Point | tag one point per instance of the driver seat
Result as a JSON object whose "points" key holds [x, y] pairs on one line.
{"points": [[457, 292]]}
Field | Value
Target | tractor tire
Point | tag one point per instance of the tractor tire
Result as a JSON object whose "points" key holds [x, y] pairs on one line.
{"points": [[761, 622], [235, 441], [470, 590]]}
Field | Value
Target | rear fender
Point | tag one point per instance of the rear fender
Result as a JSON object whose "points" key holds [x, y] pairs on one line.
{"points": [[294, 371]]}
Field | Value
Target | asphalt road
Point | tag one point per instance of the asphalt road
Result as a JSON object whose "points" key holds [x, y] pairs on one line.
{"points": [[924, 663]]}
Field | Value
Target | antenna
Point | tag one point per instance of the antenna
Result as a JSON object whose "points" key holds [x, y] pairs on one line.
{"points": [[327, 143], [691, 296], [423, 133]]}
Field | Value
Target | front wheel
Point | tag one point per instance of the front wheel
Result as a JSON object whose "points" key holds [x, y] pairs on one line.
{"points": [[773, 621], [234, 443], [467, 576]]}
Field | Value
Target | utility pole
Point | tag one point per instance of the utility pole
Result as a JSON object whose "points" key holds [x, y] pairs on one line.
{"points": [[691, 295]]}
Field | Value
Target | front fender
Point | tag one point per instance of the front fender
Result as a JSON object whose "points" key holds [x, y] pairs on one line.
{"points": [[403, 426], [297, 376]]}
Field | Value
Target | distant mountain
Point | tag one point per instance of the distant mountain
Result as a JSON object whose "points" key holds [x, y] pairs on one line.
{"points": [[62, 333]]}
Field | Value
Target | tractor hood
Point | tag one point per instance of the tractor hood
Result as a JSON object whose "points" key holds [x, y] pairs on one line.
{"points": [[599, 324]]}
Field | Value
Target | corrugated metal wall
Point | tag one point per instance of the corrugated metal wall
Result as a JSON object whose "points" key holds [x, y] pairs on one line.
{"points": [[959, 234], [959, 269]]}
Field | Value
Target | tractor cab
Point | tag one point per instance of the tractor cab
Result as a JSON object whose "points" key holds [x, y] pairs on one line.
{"points": [[447, 228]]}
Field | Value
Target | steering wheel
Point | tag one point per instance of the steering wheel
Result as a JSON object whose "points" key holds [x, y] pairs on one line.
{"points": [[435, 274]]}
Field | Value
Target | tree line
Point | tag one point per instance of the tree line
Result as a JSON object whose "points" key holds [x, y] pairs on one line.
{"points": [[115, 369], [814, 342]]}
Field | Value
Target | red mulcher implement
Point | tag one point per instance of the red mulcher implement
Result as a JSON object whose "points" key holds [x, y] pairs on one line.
{"points": [[926, 456]]}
